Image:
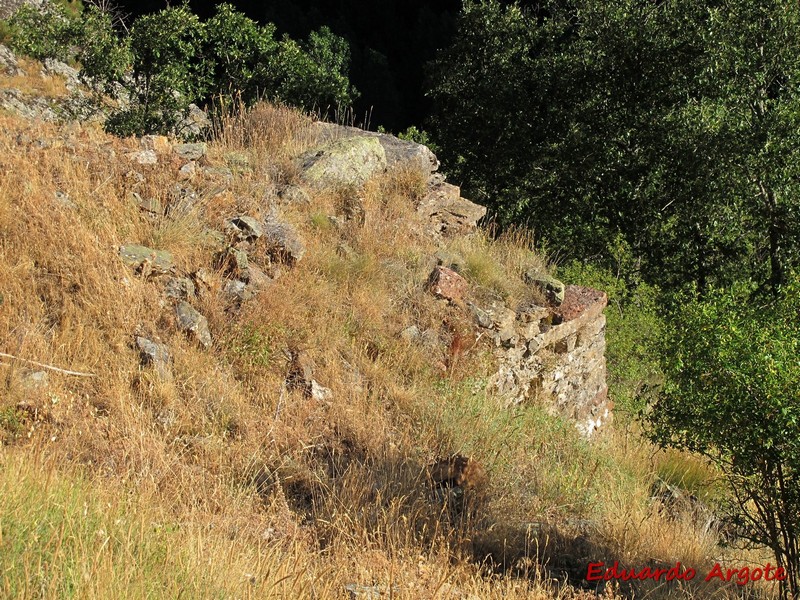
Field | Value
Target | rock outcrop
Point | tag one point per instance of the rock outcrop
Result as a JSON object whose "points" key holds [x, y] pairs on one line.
{"points": [[350, 156], [9, 7], [8, 62], [345, 162], [446, 213], [397, 151], [146, 259]]}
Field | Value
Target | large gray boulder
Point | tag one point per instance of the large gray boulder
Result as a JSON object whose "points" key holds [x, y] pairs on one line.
{"points": [[550, 286], [344, 162], [398, 152]]}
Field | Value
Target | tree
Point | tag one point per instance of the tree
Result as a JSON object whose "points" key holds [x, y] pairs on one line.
{"points": [[732, 394], [313, 77], [671, 123], [241, 51], [169, 71], [104, 56]]}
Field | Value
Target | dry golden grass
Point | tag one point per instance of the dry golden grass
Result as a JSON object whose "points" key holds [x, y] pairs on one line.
{"points": [[495, 264], [241, 486], [51, 86]]}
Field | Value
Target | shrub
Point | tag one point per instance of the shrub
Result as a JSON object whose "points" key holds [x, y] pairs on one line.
{"points": [[47, 32], [172, 59], [169, 72]]}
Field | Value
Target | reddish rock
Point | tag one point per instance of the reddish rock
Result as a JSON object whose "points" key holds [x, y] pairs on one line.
{"points": [[446, 283], [580, 300]]}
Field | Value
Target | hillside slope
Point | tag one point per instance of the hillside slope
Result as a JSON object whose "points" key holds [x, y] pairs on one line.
{"points": [[257, 392]]}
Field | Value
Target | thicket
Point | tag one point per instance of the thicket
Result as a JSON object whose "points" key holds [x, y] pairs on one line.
{"points": [[171, 59], [673, 124]]}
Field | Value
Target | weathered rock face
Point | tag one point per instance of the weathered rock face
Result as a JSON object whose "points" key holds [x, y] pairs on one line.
{"points": [[398, 152], [9, 7], [555, 356], [551, 286], [8, 62], [447, 284], [154, 355], [349, 156], [146, 259], [193, 323], [285, 245], [345, 162], [446, 212]]}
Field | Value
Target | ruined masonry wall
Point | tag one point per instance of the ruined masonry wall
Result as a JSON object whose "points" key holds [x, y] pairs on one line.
{"points": [[556, 357]]}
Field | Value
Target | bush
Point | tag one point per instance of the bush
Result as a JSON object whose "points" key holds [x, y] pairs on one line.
{"points": [[48, 32], [169, 72], [171, 59]]}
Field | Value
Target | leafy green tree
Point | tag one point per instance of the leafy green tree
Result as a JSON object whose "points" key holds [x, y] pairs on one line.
{"points": [[490, 90], [671, 123], [242, 52], [732, 394], [169, 71]]}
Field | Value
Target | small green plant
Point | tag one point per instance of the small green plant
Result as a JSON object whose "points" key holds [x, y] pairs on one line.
{"points": [[10, 422], [321, 221], [253, 345], [420, 136]]}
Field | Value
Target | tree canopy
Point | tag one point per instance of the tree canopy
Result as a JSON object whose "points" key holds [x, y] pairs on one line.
{"points": [[670, 123], [732, 393]]}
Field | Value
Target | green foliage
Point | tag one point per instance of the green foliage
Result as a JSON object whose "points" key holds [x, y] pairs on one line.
{"points": [[633, 327], [670, 123], [419, 136], [46, 32], [52, 523], [172, 59], [241, 51], [731, 394], [169, 71], [314, 77], [103, 56], [487, 89]]}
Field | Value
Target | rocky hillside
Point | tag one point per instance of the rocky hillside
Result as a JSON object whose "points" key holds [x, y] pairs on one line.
{"points": [[287, 363]]}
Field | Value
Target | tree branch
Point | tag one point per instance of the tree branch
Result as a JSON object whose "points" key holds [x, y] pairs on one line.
{"points": [[49, 367]]}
